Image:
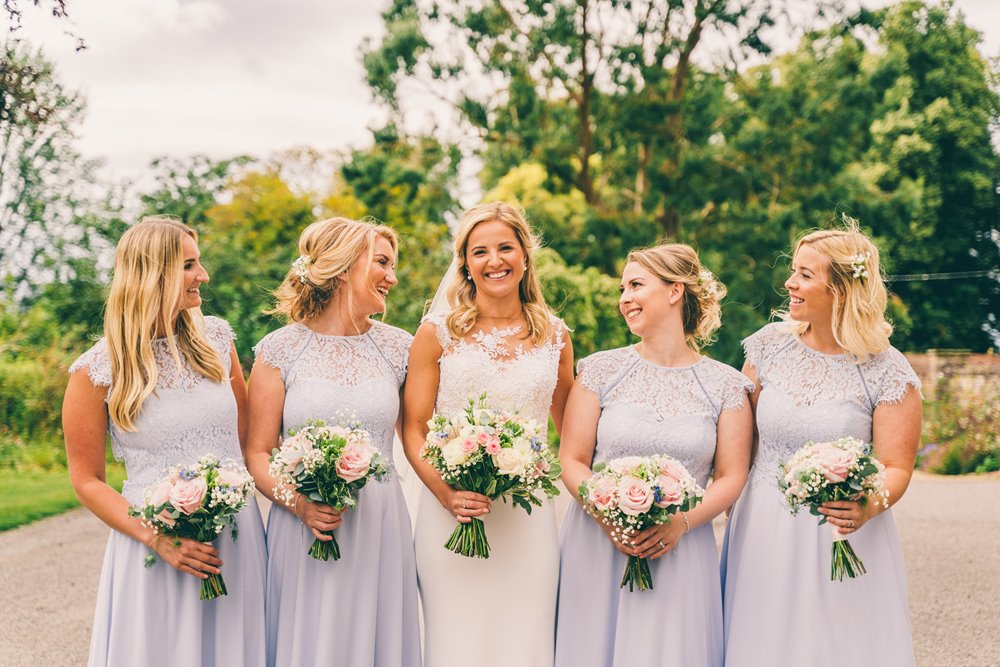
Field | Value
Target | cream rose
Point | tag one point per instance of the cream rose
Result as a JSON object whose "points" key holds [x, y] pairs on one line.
{"points": [[510, 461]]}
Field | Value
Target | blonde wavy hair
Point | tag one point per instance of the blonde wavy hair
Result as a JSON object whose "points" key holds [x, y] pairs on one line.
{"points": [[327, 249], [462, 293], [146, 290], [859, 302], [679, 263]]}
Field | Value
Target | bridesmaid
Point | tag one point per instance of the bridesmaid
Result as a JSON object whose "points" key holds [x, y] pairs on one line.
{"points": [[167, 385], [660, 396], [825, 373], [333, 363]]}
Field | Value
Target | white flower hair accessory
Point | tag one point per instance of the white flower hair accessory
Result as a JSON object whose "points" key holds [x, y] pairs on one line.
{"points": [[706, 280], [859, 266], [301, 267]]}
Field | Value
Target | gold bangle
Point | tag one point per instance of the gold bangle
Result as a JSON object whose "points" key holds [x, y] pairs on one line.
{"points": [[686, 523]]}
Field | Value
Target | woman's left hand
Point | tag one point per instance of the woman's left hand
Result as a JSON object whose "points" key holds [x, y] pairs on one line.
{"points": [[657, 541], [848, 515]]}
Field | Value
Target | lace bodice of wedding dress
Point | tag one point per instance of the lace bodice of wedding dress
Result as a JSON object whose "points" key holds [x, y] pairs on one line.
{"points": [[495, 362]]}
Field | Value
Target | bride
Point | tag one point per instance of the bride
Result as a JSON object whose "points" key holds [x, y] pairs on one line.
{"points": [[494, 334]]}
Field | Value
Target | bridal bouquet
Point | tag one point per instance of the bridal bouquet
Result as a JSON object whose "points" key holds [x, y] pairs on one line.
{"points": [[633, 493], [496, 454], [829, 471], [198, 502], [326, 464]]}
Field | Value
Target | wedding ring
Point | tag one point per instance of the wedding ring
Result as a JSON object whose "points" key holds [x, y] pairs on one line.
{"points": [[463, 505], [662, 545], [852, 524]]}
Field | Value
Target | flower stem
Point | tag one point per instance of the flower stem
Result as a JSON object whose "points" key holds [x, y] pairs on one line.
{"points": [[324, 550], [637, 574], [469, 539], [213, 587], [844, 562]]}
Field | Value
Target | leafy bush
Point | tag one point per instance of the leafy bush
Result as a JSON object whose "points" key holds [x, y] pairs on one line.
{"points": [[962, 430]]}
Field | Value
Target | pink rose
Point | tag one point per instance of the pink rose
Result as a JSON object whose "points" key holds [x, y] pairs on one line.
{"points": [[634, 496], [354, 462], [672, 469], [187, 495], [602, 492], [166, 518], [482, 438], [493, 445], [671, 492], [835, 463], [469, 445]]}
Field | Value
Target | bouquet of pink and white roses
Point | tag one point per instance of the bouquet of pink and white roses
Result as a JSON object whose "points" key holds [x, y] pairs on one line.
{"points": [[197, 502], [326, 464], [633, 493], [823, 472], [498, 455]]}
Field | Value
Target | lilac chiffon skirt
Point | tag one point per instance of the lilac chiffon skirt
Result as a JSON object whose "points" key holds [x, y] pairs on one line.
{"points": [[359, 610], [676, 624], [782, 610], [153, 616]]}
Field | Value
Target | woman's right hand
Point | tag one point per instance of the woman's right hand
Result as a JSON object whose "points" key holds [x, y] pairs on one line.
{"points": [[464, 505], [199, 559], [317, 517]]}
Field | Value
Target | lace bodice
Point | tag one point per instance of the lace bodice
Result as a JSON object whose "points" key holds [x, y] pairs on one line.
{"points": [[497, 363], [807, 395], [187, 416], [336, 378], [648, 409]]}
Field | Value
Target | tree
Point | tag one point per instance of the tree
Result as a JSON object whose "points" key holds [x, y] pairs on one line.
{"points": [[933, 162], [562, 83], [45, 186]]}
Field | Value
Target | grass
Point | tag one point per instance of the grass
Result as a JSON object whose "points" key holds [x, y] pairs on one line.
{"points": [[29, 495]]}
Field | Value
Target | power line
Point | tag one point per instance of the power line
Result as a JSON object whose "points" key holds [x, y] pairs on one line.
{"points": [[910, 277]]}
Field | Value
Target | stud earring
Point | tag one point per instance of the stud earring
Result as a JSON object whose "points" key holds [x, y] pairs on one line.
{"points": [[468, 276]]}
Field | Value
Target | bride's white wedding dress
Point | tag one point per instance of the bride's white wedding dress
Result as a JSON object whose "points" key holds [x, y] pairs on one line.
{"points": [[499, 610]]}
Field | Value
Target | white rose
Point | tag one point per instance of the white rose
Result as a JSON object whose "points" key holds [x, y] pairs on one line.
{"points": [[453, 453], [511, 461]]}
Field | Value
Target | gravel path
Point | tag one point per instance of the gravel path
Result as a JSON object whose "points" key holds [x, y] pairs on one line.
{"points": [[948, 526]]}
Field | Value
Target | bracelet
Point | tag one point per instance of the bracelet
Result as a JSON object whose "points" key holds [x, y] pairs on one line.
{"points": [[686, 522]]}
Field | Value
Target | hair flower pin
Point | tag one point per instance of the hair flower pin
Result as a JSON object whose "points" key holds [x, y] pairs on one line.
{"points": [[859, 266], [706, 280], [301, 267]]}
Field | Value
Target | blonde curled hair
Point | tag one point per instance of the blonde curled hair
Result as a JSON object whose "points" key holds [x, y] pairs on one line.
{"points": [[328, 249], [146, 290], [462, 293], [855, 280], [701, 312]]}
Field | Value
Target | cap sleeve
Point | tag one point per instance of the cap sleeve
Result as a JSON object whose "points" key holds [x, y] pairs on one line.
{"points": [[735, 387], [897, 375], [761, 348], [394, 346], [279, 349], [97, 363], [596, 372], [221, 335], [441, 330]]}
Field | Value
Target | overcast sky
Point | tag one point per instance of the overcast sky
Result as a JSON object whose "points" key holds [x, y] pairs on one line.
{"points": [[227, 77]]}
